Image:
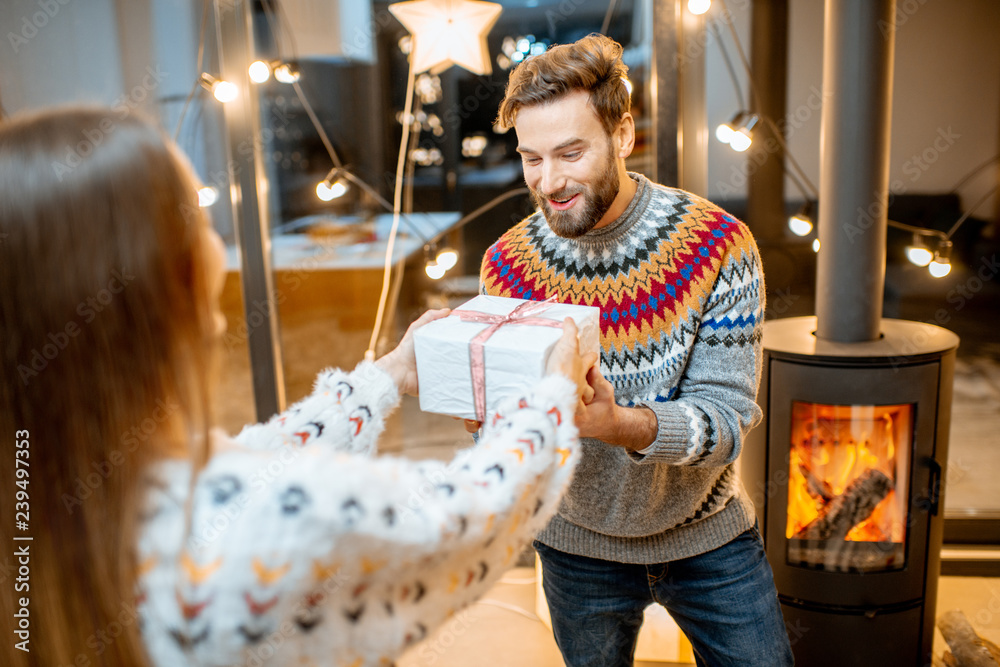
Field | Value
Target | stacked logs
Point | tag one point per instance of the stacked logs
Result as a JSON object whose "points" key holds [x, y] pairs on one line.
{"points": [[968, 649]]}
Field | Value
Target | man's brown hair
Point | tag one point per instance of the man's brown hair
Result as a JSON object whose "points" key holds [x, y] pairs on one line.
{"points": [[593, 64]]}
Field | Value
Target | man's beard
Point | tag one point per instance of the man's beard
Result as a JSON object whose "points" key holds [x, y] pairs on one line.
{"points": [[579, 220]]}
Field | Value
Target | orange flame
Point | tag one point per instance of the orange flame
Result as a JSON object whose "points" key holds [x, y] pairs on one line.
{"points": [[831, 445]]}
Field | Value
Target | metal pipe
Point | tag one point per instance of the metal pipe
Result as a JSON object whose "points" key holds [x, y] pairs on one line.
{"points": [[664, 91], [769, 62], [859, 38], [250, 209]]}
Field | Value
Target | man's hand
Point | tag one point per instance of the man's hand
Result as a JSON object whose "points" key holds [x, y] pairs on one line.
{"points": [[401, 363], [602, 418]]}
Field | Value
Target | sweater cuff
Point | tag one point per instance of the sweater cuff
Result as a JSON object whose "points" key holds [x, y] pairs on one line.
{"points": [[678, 435], [374, 385]]}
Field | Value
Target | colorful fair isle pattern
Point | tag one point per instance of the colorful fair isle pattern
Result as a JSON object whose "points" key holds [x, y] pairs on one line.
{"points": [[681, 294], [304, 549]]}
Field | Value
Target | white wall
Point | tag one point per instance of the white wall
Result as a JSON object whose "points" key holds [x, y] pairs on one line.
{"points": [[947, 84], [57, 52]]}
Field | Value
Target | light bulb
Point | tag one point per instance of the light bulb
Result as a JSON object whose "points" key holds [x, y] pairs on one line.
{"points": [[740, 141], [815, 245], [434, 270], [328, 192], [919, 255], [447, 258], [285, 73], [724, 133], [800, 225], [699, 6], [259, 71], [939, 269], [225, 91], [207, 195]]}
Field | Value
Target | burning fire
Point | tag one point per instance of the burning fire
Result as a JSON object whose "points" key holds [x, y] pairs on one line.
{"points": [[838, 449]]}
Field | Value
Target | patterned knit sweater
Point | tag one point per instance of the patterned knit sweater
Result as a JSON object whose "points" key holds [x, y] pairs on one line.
{"points": [[303, 549], [681, 294]]}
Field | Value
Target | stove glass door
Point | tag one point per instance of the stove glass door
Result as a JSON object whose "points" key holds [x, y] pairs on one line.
{"points": [[849, 467]]}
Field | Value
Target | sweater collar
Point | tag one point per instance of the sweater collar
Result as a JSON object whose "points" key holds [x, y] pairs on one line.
{"points": [[623, 223]]}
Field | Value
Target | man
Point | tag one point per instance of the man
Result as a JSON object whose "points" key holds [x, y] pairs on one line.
{"points": [[656, 511]]}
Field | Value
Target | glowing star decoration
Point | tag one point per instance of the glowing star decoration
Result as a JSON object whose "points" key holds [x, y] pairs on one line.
{"points": [[448, 32]]}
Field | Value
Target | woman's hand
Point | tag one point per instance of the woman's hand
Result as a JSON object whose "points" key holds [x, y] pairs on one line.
{"points": [[566, 360], [401, 363]]}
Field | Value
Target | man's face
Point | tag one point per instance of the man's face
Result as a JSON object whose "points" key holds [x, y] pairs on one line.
{"points": [[570, 163]]}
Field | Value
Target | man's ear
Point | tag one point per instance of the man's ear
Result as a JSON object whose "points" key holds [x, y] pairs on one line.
{"points": [[625, 136]]}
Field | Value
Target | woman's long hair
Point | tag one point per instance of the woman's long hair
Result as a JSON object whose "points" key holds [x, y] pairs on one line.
{"points": [[105, 332]]}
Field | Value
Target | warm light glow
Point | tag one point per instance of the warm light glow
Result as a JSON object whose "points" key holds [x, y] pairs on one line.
{"points": [[447, 258], [939, 269], [285, 73], [328, 192], [259, 71], [207, 195], [815, 245], [434, 270], [699, 6], [740, 141], [448, 32], [474, 146], [919, 255], [800, 225], [225, 91], [724, 133]]}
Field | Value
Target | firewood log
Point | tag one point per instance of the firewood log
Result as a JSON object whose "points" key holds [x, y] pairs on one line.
{"points": [[817, 488], [850, 508], [992, 648], [965, 644]]}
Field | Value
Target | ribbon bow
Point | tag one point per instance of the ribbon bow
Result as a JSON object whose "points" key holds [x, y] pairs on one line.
{"points": [[522, 314]]}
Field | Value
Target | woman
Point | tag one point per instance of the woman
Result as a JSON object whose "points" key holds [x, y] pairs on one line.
{"points": [[154, 541]]}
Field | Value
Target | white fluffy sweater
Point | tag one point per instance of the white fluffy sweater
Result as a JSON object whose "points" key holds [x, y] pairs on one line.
{"points": [[304, 549]]}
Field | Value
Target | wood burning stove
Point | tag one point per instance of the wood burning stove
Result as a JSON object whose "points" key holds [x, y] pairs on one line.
{"points": [[846, 477], [846, 471]]}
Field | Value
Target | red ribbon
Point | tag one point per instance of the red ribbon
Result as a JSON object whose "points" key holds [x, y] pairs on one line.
{"points": [[522, 314]]}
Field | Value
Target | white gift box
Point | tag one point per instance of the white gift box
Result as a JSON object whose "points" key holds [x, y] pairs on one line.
{"points": [[515, 354]]}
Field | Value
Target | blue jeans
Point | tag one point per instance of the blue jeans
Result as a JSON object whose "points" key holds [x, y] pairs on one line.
{"points": [[724, 601]]}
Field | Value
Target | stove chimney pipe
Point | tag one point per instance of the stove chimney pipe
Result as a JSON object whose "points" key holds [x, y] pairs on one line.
{"points": [[859, 39]]}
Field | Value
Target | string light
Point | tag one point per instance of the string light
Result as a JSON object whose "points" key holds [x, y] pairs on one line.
{"points": [[815, 245], [801, 223], [918, 253], [439, 262], [433, 267], [207, 195], [447, 258], [940, 266], [224, 91], [332, 186], [738, 132], [259, 71], [699, 7], [434, 270], [286, 73]]}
